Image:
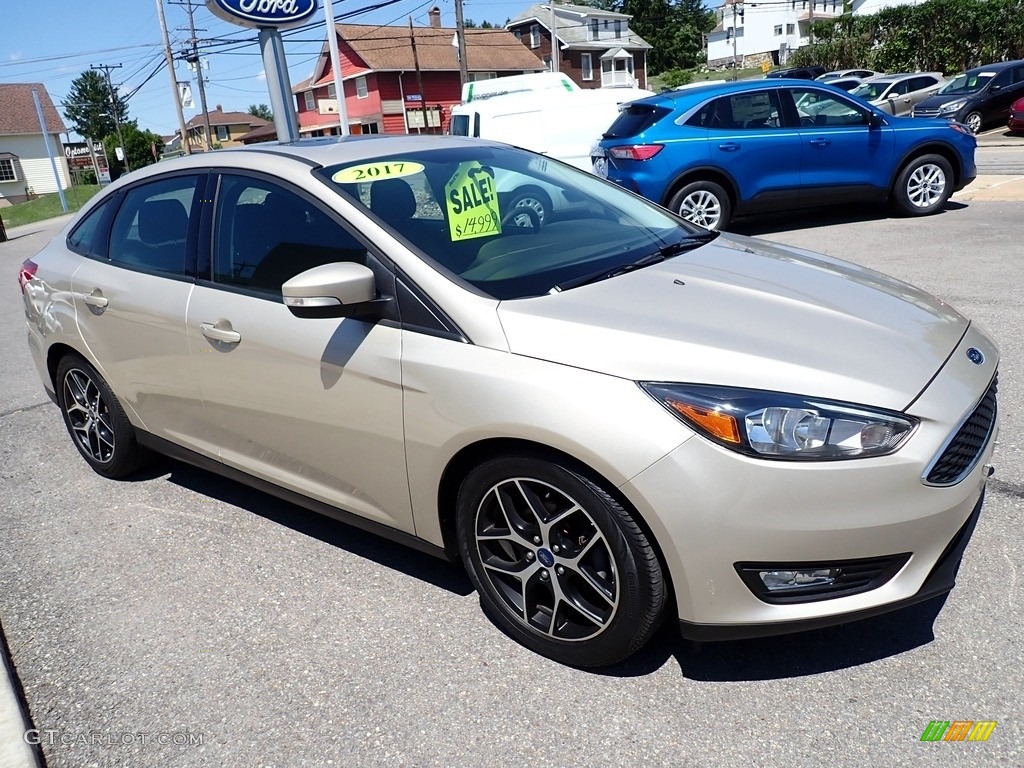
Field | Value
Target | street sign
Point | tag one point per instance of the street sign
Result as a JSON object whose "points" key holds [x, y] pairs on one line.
{"points": [[766, 66]]}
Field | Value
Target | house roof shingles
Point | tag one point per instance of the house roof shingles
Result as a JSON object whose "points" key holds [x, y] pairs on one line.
{"points": [[388, 48], [220, 117], [18, 114]]}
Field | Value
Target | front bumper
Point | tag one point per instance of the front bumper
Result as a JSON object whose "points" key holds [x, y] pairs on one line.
{"points": [[711, 509]]}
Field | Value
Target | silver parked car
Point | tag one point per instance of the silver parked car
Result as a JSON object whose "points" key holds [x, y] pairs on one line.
{"points": [[612, 419], [897, 94]]}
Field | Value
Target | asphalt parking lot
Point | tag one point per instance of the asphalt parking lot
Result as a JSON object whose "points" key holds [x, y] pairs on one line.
{"points": [[181, 619]]}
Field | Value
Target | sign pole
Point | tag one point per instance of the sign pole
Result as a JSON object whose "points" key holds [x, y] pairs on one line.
{"points": [[339, 87], [272, 47]]}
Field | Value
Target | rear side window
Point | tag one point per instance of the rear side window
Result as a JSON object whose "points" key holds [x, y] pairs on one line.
{"points": [[151, 228], [635, 119], [88, 237], [460, 125]]}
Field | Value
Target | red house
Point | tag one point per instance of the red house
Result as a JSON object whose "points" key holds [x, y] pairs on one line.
{"points": [[382, 91]]}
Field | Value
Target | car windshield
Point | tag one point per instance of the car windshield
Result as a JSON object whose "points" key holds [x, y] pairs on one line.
{"points": [[967, 83], [471, 211], [871, 91]]}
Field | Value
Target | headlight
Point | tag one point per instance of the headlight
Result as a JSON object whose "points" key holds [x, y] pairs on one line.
{"points": [[774, 425], [952, 106]]}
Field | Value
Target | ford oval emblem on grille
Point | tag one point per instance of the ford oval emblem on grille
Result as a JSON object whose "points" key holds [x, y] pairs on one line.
{"points": [[975, 356]]}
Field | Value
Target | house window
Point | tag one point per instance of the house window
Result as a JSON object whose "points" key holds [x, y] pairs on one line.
{"points": [[518, 34], [310, 101], [361, 91], [547, 63], [332, 92], [370, 128], [595, 32], [790, 29], [587, 65], [222, 133], [535, 36], [778, 30], [7, 170], [606, 23], [618, 28], [475, 76]]}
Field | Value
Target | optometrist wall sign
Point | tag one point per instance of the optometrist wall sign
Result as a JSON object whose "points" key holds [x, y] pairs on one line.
{"points": [[278, 14]]}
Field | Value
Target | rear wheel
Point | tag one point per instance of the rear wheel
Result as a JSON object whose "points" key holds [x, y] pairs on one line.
{"points": [[559, 564], [704, 203], [95, 419], [923, 186], [532, 199]]}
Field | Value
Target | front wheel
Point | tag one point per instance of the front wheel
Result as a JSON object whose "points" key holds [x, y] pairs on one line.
{"points": [[973, 121], [559, 564], [923, 186], [704, 203]]}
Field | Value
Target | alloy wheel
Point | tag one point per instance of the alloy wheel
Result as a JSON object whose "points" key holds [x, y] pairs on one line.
{"points": [[926, 185], [701, 207], [88, 415], [546, 559], [973, 121]]}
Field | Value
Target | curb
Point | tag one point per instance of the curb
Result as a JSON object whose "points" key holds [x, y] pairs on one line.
{"points": [[14, 720]]}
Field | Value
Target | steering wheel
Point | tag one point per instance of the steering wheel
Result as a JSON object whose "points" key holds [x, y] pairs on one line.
{"points": [[515, 217]]}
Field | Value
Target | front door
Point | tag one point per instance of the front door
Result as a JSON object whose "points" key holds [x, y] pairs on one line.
{"points": [[313, 405]]}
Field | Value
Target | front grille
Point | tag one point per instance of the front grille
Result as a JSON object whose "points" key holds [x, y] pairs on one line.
{"points": [[926, 112], [851, 577], [962, 452]]}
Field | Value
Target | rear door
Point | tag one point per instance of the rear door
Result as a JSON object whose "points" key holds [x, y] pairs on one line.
{"points": [[1006, 88], [131, 300], [748, 139], [843, 157]]}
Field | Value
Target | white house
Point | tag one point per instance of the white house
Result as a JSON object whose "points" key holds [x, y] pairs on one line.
{"points": [[24, 165], [755, 32]]}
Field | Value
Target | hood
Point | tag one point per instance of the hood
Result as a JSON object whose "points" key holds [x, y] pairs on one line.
{"points": [[933, 102], [743, 312]]}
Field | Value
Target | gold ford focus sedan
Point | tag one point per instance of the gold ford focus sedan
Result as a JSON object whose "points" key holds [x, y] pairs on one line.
{"points": [[612, 417]]}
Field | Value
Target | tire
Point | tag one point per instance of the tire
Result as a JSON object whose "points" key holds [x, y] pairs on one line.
{"points": [[923, 186], [569, 574], [703, 203], [536, 200], [95, 420], [974, 121]]}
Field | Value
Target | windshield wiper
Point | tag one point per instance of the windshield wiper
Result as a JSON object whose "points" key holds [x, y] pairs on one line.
{"points": [[665, 252]]}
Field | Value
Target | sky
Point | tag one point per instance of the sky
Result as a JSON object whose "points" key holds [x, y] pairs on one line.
{"points": [[54, 41]]}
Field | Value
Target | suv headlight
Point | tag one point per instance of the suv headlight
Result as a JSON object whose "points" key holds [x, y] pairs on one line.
{"points": [[775, 425], [953, 106]]}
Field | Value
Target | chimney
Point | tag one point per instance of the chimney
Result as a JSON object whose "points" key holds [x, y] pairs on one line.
{"points": [[219, 108], [435, 17]]}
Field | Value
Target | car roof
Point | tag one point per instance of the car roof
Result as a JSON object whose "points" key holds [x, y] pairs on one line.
{"points": [[997, 67], [694, 92]]}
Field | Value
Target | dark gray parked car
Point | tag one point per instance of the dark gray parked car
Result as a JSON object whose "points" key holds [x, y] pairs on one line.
{"points": [[978, 97]]}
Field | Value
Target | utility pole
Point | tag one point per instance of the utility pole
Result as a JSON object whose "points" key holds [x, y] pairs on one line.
{"points": [[193, 58], [460, 30], [555, 55], [174, 80], [339, 86], [113, 109], [419, 78]]}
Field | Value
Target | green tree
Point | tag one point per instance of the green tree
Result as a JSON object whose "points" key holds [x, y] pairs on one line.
{"points": [[261, 111], [142, 147], [674, 27], [91, 106]]}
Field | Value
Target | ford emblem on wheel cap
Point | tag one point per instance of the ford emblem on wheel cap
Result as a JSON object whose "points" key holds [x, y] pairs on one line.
{"points": [[975, 356]]}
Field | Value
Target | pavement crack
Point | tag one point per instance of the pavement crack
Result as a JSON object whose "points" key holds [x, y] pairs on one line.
{"points": [[24, 408]]}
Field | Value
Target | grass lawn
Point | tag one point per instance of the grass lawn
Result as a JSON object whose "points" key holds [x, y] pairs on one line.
{"points": [[654, 82], [47, 206]]}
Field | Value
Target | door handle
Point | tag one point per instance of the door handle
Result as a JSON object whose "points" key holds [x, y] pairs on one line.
{"points": [[96, 300], [820, 142], [214, 333], [729, 146]]}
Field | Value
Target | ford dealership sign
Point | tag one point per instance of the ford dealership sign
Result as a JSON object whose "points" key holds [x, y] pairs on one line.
{"points": [[264, 13]]}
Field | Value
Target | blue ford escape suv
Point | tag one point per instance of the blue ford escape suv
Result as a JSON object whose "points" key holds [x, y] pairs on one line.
{"points": [[720, 150]]}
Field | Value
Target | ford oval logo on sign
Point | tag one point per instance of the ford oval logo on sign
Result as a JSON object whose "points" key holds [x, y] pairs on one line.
{"points": [[264, 13]]}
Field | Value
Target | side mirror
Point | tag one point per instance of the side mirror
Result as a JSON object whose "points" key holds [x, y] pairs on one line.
{"points": [[875, 120], [342, 289]]}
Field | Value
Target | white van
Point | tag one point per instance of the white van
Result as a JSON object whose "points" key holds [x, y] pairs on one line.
{"points": [[559, 123]]}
